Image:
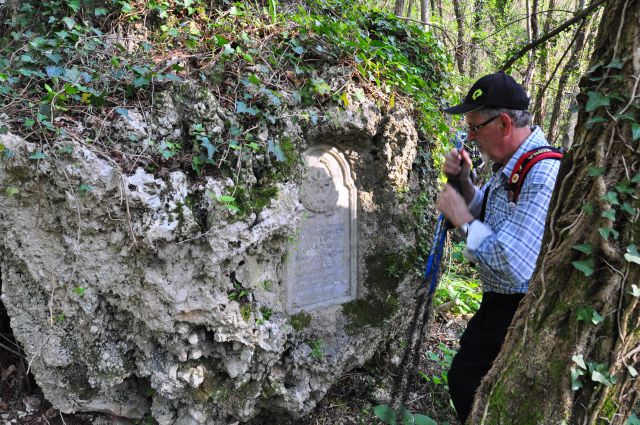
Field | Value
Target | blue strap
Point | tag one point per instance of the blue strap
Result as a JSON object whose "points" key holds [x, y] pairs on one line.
{"points": [[435, 254]]}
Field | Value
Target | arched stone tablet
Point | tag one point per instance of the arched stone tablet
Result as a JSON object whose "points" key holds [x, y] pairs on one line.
{"points": [[322, 260]]}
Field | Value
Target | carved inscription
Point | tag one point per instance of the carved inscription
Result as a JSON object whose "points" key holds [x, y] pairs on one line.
{"points": [[321, 267]]}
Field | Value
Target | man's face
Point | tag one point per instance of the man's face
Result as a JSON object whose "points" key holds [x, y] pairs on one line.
{"points": [[486, 131]]}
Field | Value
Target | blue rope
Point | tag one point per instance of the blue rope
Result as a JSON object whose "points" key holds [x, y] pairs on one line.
{"points": [[432, 268]]}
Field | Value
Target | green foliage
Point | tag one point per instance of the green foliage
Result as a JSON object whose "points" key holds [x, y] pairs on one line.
{"points": [[300, 321], [317, 350], [245, 312], [459, 284], [598, 372], [79, 290], [443, 361], [239, 293], [388, 415]]}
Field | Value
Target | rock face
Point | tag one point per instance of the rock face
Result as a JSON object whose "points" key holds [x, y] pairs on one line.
{"points": [[138, 293]]}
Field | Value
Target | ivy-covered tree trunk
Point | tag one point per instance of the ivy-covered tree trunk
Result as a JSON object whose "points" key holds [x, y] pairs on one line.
{"points": [[460, 48], [573, 351]]}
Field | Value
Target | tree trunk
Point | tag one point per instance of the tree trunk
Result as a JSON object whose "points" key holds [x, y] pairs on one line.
{"points": [[424, 12], [569, 68], [533, 35], [539, 104], [474, 47], [587, 321], [459, 53], [410, 8], [399, 7]]}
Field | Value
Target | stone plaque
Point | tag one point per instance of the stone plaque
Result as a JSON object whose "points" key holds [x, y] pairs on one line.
{"points": [[322, 266]]}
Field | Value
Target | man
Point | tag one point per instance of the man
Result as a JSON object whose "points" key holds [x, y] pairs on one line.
{"points": [[503, 237]]}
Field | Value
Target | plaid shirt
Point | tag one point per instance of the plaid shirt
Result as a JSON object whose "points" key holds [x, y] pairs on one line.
{"points": [[506, 246]]}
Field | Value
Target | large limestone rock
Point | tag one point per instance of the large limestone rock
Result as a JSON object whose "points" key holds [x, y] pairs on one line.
{"points": [[136, 292]]}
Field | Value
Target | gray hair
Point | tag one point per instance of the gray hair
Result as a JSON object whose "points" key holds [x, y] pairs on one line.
{"points": [[520, 118]]}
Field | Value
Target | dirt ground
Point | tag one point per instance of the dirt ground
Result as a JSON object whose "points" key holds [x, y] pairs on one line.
{"points": [[350, 401]]}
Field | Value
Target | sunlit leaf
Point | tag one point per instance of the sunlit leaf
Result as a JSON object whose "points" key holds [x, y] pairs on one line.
{"points": [[579, 360], [635, 131], [595, 101], [587, 248], [632, 255], [585, 266]]}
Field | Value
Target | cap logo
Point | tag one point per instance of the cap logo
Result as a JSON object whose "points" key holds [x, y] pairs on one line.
{"points": [[476, 94]]}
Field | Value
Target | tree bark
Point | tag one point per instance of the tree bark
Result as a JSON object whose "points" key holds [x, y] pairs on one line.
{"points": [[399, 7], [534, 34], [473, 49], [424, 12], [539, 104], [555, 332], [410, 8], [569, 68], [459, 53]]}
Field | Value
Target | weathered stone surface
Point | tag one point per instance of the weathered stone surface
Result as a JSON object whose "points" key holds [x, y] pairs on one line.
{"points": [[322, 255], [126, 293]]}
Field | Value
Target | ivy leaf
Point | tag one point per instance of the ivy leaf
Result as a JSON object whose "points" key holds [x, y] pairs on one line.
{"points": [[100, 11], [204, 142], [633, 420], [609, 214], [423, 420], [584, 314], [576, 384], [587, 248], [605, 232], [615, 63], [596, 171], [596, 317], [593, 121], [579, 360], [636, 179], [632, 255], [74, 5], [242, 108], [624, 187], [635, 291], [626, 207], [603, 379], [275, 149], [53, 71], [585, 266], [386, 414], [635, 131], [588, 208], [611, 197], [595, 101], [69, 22], [38, 155]]}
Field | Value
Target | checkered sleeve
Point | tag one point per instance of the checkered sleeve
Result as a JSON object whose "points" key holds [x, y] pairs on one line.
{"points": [[507, 257]]}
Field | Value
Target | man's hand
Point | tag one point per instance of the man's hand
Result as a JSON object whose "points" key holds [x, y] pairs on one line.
{"points": [[457, 165], [454, 208]]}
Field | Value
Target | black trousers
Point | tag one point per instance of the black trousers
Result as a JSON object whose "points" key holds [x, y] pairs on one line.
{"points": [[479, 346]]}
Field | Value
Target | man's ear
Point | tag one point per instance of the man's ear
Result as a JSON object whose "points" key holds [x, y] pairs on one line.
{"points": [[505, 123]]}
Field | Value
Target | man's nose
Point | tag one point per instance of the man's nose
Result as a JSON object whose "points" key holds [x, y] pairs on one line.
{"points": [[471, 136]]}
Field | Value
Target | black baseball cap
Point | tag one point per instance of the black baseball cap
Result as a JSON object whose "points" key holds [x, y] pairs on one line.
{"points": [[497, 90]]}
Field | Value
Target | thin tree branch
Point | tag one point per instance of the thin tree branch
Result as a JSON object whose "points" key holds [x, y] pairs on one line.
{"points": [[551, 34]]}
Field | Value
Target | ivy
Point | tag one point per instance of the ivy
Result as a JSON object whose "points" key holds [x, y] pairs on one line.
{"points": [[585, 266]]}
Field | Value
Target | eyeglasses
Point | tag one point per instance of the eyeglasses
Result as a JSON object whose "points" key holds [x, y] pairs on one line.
{"points": [[474, 128]]}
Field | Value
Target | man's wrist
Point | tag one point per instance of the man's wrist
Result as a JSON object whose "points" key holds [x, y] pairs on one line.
{"points": [[465, 227]]}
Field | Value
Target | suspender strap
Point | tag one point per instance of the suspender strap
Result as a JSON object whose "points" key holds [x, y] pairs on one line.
{"points": [[524, 164], [520, 171]]}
